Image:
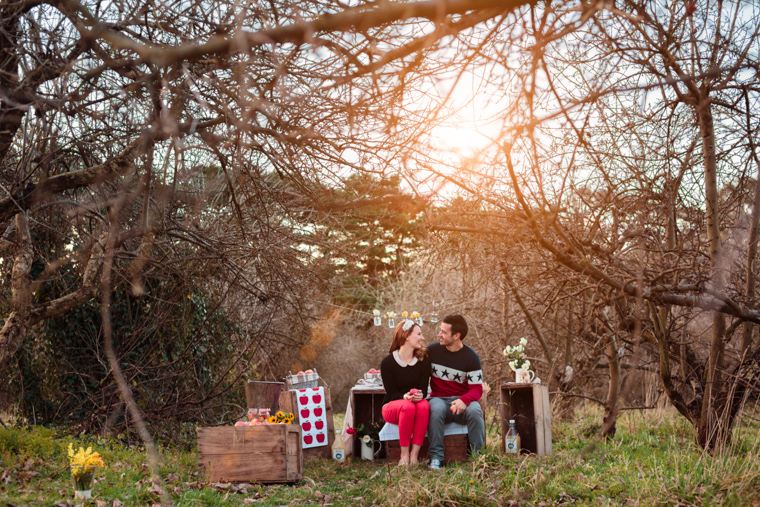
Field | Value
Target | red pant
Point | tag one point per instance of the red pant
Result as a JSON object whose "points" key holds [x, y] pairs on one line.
{"points": [[412, 419]]}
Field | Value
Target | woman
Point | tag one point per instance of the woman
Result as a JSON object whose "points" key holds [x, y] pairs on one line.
{"points": [[406, 373]]}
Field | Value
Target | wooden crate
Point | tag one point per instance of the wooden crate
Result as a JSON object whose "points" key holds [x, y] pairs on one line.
{"points": [[262, 453], [367, 408], [263, 394], [528, 405], [288, 403], [455, 449]]}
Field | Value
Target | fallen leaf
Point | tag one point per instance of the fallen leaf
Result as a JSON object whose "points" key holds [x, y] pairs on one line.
{"points": [[116, 503], [101, 503], [28, 475]]}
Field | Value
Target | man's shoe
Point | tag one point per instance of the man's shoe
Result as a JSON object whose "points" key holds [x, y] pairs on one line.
{"points": [[435, 464]]}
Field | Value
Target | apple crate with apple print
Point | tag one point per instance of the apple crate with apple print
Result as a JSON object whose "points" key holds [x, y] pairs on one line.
{"points": [[312, 408]]}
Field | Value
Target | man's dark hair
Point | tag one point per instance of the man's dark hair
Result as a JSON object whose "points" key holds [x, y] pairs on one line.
{"points": [[458, 325]]}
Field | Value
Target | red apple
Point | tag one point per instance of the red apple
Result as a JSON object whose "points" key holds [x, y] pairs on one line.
{"points": [[308, 371], [299, 373], [318, 412], [316, 399], [307, 426], [319, 424], [303, 400], [308, 439], [305, 413], [320, 437]]}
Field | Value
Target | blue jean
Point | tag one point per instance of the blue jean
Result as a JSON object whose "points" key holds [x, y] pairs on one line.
{"points": [[440, 414]]}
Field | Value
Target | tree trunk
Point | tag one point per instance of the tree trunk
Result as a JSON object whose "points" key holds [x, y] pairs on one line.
{"points": [[709, 435], [17, 324], [749, 289], [613, 392], [23, 315]]}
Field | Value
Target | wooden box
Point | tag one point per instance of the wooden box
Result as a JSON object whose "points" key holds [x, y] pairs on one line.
{"points": [[528, 405], [367, 408], [455, 449], [288, 403], [263, 394], [261, 453]]}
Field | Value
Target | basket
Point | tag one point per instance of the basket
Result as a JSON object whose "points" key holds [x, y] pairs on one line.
{"points": [[302, 381]]}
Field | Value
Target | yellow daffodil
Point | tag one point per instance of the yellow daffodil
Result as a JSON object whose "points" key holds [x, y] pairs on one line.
{"points": [[83, 465]]}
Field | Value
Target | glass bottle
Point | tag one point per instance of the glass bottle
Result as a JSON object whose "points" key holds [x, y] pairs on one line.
{"points": [[512, 439], [338, 448]]}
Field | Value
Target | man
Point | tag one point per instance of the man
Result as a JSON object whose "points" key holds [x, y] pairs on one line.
{"points": [[456, 385]]}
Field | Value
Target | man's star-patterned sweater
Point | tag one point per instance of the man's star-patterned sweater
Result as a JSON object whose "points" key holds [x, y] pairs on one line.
{"points": [[455, 373]]}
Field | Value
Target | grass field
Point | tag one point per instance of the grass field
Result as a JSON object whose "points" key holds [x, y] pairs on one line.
{"points": [[651, 461]]}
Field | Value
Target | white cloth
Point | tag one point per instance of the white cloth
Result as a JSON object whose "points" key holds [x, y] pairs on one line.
{"points": [[312, 415], [348, 422], [390, 431]]}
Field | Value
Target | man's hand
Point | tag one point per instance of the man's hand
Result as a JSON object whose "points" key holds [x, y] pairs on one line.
{"points": [[458, 407]]}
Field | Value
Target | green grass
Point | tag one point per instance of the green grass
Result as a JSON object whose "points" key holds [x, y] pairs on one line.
{"points": [[651, 461]]}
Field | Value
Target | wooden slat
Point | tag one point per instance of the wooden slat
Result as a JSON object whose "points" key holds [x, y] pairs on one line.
{"points": [[241, 440], [538, 407], [547, 420], [244, 468]]}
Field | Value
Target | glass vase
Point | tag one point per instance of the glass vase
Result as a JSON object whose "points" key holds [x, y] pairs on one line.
{"points": [[83, 485], [378, 321], [391, 322]]}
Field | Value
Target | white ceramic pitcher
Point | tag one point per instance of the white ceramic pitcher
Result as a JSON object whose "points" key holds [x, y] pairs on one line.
{"points": [[367, 445], [524, 376]]}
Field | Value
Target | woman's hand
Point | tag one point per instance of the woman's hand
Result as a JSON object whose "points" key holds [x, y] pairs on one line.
{"points": [[414, 395]]}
